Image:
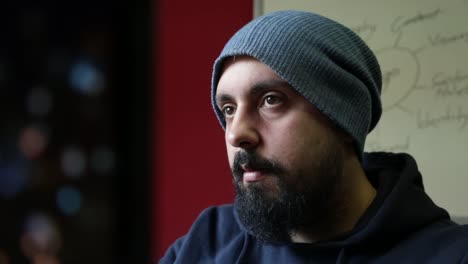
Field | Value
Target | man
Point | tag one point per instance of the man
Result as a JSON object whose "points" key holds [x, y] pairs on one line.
{"points": [[297, 94]]}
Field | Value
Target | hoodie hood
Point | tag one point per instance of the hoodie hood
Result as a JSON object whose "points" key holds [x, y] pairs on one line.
{"points": [[401, 205]]}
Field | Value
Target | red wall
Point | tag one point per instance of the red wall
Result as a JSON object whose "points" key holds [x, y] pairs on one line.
{"points": [[191, 170]]}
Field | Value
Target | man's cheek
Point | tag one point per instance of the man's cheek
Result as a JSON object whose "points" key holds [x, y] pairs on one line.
{"points": [[230, 153]]}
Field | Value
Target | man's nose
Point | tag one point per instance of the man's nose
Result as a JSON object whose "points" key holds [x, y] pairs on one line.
{"points": [[242, 132]]}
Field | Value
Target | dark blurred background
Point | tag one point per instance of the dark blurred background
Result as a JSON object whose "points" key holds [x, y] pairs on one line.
{"points": [[74, 131]]}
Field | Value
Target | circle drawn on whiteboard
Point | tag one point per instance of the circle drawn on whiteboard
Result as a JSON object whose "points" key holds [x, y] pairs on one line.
{"points": [[400, 74]]}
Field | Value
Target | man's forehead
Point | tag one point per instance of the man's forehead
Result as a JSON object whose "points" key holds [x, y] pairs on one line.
{"points": [[246, 70], [230, 60]]}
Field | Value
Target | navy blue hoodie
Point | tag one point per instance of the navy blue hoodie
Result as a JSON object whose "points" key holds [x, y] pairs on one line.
{"points": [[402, 225]]}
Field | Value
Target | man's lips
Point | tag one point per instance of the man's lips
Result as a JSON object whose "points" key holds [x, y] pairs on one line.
{"points": [[252, 175]]}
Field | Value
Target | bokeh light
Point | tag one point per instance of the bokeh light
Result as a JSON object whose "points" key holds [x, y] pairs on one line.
{"points": [[33, 141], [45, 259], [13, 174], [86, 78], [40, 236], [73, 162], [68, 200]]}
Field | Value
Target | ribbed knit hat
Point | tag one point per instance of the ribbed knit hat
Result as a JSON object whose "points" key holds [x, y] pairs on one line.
{"points": [[323, 60]]}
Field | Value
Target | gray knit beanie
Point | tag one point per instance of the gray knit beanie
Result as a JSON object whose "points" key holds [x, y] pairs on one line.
{"points": [[323, 60]]}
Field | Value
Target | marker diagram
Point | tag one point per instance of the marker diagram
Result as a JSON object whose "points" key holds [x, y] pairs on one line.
{"points": [[424, 76], [401, 65]]}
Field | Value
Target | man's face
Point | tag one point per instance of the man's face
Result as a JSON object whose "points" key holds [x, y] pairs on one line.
{"points": [[285, 156]]}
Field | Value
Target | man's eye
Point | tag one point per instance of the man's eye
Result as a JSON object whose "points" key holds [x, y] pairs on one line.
{"points": [[271, 100], [228, 111]]}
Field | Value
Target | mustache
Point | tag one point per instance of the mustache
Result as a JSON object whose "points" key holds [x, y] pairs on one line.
{"points": [[254, 161]]}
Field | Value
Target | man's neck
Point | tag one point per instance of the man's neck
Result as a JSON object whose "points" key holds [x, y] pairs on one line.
{"points": [[355, 197]]}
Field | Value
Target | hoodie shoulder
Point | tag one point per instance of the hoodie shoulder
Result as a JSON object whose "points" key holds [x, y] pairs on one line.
{"points": [[214, 235], [441, 242]]}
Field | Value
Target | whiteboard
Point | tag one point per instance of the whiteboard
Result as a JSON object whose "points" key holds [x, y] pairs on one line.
{"points": [[422, 47]]}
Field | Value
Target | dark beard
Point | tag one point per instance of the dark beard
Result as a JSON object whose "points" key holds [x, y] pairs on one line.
{"points": [[309, 203]]}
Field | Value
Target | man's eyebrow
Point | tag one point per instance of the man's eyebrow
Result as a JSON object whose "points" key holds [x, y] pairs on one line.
{"points": [[221, 98], [256, 89], [263, 86]]}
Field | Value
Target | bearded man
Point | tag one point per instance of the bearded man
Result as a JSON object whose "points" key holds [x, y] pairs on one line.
{"points": [[297, 94]]}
